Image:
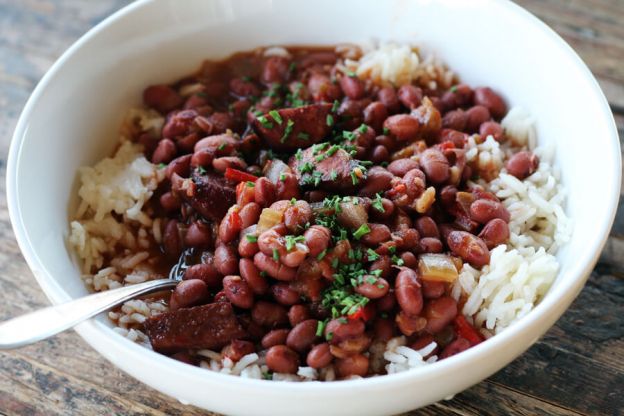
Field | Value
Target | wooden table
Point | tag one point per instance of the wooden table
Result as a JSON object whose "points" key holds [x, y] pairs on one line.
{"points": [[577, 368]]}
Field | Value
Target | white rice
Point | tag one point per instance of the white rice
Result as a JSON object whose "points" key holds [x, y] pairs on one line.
{"points": [[400, 65], [401, 358]]}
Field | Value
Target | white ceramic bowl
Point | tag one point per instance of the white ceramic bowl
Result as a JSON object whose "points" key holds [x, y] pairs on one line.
{"points": [[73, 116]]}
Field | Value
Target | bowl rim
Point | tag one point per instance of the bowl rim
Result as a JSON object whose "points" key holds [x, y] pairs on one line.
{"points": [[97, 333]]}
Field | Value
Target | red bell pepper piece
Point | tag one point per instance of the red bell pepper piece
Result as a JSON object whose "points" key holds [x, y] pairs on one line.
{"points": [[239, 176], [364, 313], [467, 331], [446, 146]]}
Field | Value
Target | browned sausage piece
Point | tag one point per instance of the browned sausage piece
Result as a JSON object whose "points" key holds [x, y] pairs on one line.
{"points": [[327, 167], [209, 326], [308, 125], [210, 194]]}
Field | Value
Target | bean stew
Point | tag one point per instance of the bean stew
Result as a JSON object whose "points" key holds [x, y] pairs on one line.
{"points": [[310, 212]]}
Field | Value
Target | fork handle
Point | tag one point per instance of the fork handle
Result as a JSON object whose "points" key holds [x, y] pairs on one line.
{"points": [[44, 323]]}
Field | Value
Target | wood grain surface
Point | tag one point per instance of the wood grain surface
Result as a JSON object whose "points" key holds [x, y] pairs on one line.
{"points": [[577, 368]]}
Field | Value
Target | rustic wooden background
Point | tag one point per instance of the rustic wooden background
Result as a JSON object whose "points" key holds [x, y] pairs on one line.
{"points": [[576, 369]]}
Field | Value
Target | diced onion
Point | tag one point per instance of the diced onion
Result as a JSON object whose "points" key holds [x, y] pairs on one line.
{"points": [[437, 268], [269, 218]]}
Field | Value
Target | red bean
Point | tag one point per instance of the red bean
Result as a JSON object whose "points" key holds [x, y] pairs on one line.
{"points": [[378, 179], [476, 116], [439, 313], [269, 314], [171, 239], [170, 202], [284, 294], [455, 347], [408, 324], [207, 272], [249, 214], [319, 356], [484, 210], [455, 120], [386, 211], [179, 124], [237, 349], [403, 126], [297, 314], [274, 337], [433, 289], [274, 268], [354, 365], [316, 196], [341, 330], [303, 335], [469, 247], [460, 95], [226, 260], [384, 264], [522, 164], [222, 163], [287, 187], [410, 96], [282, 359], [486, 97], [374, 289], [406, 238], [188, 293], [389, 98], [400, 167], [256, 282], [162, 97], [492, 128], [430, 245], [408, 292], [272, 241], [494, 233], [247, 248], [322, 89], [414, 181], [380, 154], [354, 345], [427, 227], [378, 234], [185, 143], [217, 144], [352, 87], [297, 215], [374, 115], [317, 239], [165, 151], [264, 192], [198, 234], [387, 141], [409, 259], [238, 292], [435, 165], [180, 165]]}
